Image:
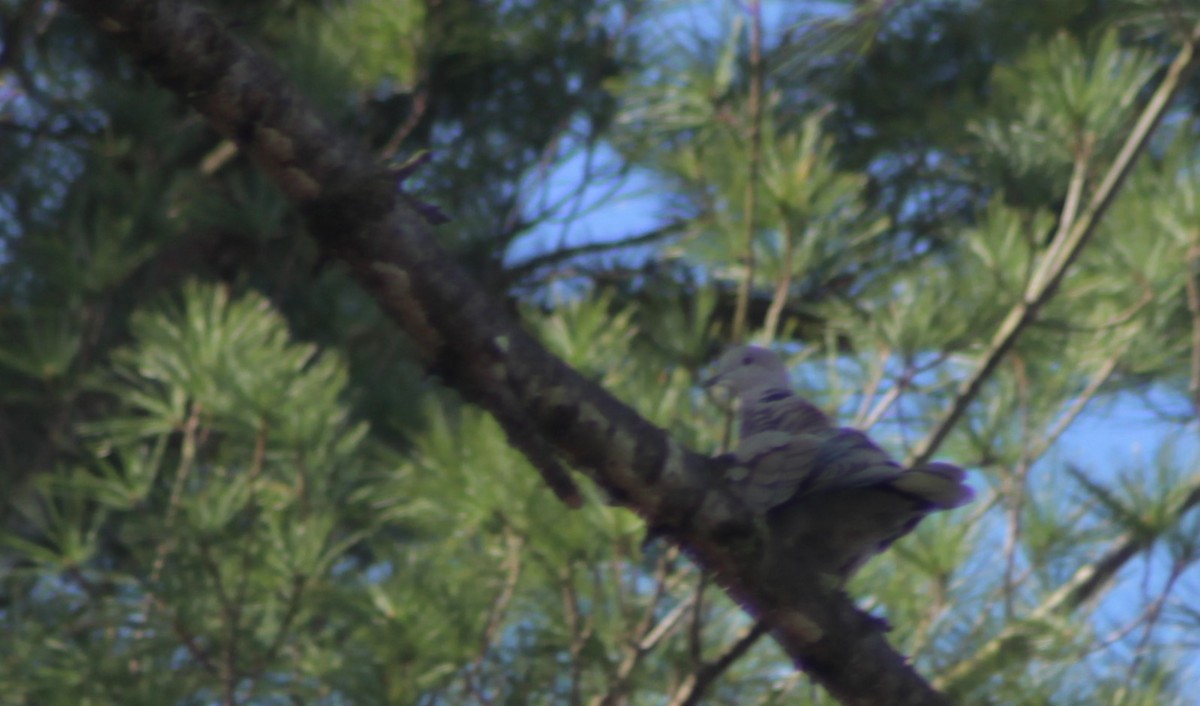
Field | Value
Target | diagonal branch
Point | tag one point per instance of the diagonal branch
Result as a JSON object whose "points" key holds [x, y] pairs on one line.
{"points": [[357, 213], [696, 685], [1067, 244], [526, 268], [1085, 585]]}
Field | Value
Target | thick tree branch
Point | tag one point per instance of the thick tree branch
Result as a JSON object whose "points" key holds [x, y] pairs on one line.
{"points": [[357, 212]]}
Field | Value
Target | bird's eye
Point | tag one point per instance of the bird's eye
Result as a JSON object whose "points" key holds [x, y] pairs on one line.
{"points": [[747, 360]]}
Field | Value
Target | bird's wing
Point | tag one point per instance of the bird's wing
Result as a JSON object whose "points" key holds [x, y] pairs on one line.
{"points": [[781, 410], [773, 467], [781, 466]]}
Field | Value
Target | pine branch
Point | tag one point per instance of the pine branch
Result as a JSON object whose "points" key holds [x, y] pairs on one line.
{"points": [[357, 213], [523, 270], [696, 685], [1085, 585], [1070, 240], [754, 168]]}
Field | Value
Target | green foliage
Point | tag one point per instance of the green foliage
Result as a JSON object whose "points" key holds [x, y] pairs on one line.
{"points": [[1058, 101], [377, 41], [226, 479], [211, 516]]}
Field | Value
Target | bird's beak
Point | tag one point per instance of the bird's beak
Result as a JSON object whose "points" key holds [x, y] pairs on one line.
{"points": [[711, 381]]}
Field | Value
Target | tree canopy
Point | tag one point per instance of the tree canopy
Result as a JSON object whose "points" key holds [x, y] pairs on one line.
{"points": [[972, 227]]}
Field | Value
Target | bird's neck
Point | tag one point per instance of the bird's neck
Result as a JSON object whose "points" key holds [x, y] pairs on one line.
{"points": [[767, 392], [774, 394]]}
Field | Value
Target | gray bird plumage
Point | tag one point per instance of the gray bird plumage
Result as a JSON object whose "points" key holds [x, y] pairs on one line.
{"points": [[832, 496], [759, 381], [772, 468]]}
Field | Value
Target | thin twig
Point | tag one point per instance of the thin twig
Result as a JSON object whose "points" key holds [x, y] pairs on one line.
{"points": [[1085, 585], [874, 381], [513, 543], [512, 568], [902, 384], [579, 631], [1015, 496], [935, 606], [696, 685], [228, 670], [1081, 401], [664, 627], [753, 165], [1192, 284], [1065, 249], [1153, 614], [420, 104], [234, 615], [1066, 219], [696, 628], [187, 457], [527, 268], [784, 286], [647, 633]]}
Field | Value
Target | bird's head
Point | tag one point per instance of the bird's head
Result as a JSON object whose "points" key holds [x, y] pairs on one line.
{"points": [[747, 368]]}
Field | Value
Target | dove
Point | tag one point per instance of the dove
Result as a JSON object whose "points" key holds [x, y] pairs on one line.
{"points": [[833, 498], [759, 381]]}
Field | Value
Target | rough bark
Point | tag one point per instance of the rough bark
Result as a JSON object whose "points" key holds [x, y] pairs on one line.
{"points": [[357, 211]]}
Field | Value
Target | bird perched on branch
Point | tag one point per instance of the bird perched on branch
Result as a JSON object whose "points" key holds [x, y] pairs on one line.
{"points": [[831, 497]]}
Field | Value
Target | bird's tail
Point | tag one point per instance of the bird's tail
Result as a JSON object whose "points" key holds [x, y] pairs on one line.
{"points": [[939, 484]]}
